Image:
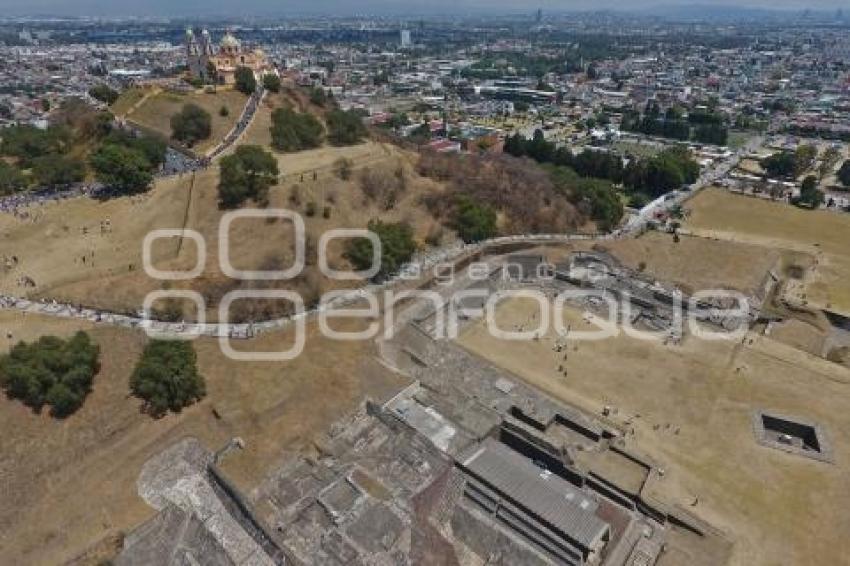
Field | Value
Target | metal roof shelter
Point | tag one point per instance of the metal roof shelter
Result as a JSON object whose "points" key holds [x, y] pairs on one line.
{"points": [[540, 505]]}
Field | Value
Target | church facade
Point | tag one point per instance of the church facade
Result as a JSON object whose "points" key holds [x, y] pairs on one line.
{"points": [[218, 64]]}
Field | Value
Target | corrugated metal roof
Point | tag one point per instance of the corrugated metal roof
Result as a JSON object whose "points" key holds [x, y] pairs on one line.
{"points": [[549, 496]]}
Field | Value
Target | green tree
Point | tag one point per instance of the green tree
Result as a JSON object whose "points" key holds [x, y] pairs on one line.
{"points": [[27, 143], [345, 127], [166, 377], [191, 124], [397, 247], [318, 96], [780, 164], [51, 170], [246, 174], [245, 81], [123, 168], [473, 221], [271, 82], [810, 195], [104, 93], [293, 131], [844, 173], [51, 371], [11, 179]]}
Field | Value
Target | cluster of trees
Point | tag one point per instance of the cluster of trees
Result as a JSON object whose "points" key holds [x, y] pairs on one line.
{"points": [[521, 193], [787, 164], [294, 131], [104, 93], [595, 198], [345, 127], [245, 81], [397, 247], [246, 174], [44, 157], [127, 163], [166, 377], [652, 176], [701, 125], [43, 153], [27, 143], [191, 125], [11, 179], [51, 371]]}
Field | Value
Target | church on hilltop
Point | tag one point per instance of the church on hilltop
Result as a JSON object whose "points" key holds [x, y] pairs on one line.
{"points": [[218, 64]]}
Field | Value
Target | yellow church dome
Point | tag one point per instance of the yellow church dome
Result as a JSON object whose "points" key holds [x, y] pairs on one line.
{"points": [[230, 41]]}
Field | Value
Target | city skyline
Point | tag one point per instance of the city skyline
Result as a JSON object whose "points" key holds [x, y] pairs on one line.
{"points": [[152, 8]]}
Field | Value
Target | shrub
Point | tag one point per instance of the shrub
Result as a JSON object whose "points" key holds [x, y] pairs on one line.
{"points": [[191, 124], [11, 179], [345, 127], [223, 111], [473, 221], [343, 168], [271, 82], [246, 174], [123, 168], [104, 93], [397, 247], [245, 81], [166, 377], [293, 131], [51, 371], [50, 170]]}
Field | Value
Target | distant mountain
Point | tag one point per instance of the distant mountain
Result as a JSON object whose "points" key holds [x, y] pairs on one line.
{"points": [[726, 12]]}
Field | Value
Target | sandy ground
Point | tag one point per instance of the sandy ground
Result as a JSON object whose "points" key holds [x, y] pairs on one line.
{"points": [[727, 217], [71, 483], [757, 495]]}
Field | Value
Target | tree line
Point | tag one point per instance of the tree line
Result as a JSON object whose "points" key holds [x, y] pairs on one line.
{"points": [[646, 177], [701, 125]]}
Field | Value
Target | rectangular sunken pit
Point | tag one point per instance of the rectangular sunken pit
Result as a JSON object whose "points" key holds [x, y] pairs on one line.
{"points": [[791, 434]]}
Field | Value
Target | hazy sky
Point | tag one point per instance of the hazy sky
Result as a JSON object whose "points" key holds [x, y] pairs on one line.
{"points": [[345, 7]]}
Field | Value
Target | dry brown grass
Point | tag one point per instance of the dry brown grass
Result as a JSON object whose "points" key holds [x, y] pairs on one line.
{"points": [[51, 248], [755, 494], [157, 109], [695, 263], [69, 484], [719, 214]]}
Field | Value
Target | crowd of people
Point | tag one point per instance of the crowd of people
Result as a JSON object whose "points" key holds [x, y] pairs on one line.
{"points": [[241, 125]]}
